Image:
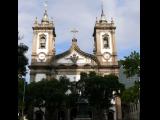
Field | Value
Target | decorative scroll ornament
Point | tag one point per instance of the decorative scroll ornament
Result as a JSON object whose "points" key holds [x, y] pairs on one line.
{"points": [[74, 58]]}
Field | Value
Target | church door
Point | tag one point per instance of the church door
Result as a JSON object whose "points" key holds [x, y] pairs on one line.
{"points": [[73, 113], [110, 116], [61, 115], [39, 115]]}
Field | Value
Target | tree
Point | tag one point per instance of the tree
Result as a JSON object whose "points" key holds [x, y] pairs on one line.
{"points": [[98, 91], [22, 63], [131, 64], [131, 95], [50, 91], [22, 59], [21, 85], [53, 93], [83, 75]]}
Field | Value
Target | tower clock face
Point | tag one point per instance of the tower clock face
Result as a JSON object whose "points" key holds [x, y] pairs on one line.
{"points": [[106, 55], [41, 56]]}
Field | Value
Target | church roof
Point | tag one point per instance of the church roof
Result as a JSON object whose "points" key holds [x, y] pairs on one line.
{"points": [[77, 49]]}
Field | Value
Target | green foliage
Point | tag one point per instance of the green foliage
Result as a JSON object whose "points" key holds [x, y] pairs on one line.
{"points": [[83, 75], [113, 83], [102, 87], [20, 92], [21, 95], [97, 89], [71, 100], [22, 59], [92, 74], [131, 95], [22, 62], [131, 64], [50, 91], [65, 82]]}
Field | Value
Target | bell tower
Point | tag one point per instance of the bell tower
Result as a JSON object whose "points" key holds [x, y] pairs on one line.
{"points": [[43, 46], [104, 41]]}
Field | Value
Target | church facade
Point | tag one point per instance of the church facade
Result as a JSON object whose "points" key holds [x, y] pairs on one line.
{"points": [[45, 63]]}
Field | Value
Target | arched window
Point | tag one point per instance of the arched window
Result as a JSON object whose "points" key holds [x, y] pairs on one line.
{"points": [[106, 41], [42, 42]]}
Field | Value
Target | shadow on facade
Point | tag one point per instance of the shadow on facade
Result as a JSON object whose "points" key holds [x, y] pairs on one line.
{"points": [[39, 115], [111, 115], [73, 113], [61, 115]]}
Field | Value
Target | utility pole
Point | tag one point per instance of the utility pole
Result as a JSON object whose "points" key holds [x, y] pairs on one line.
{"points": [[20, 77], [23, 99]]}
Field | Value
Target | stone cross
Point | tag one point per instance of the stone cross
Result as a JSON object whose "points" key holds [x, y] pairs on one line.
{"points": [[74, 31], [45, 4]]}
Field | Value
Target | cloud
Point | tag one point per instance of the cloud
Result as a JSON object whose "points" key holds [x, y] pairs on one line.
{"points": [[126, 14]]}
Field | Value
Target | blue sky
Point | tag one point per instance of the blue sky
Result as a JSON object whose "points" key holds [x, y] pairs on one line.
{"points": [[81, 14]]}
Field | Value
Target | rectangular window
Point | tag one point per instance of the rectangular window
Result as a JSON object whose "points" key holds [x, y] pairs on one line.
{"points": [[105, 42], [42, 41], [42, 46]]}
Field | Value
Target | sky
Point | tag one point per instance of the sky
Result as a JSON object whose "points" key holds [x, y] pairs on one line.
{"points": [[81, 14]]}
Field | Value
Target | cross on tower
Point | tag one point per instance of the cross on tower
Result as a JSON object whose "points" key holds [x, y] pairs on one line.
{"points": [[45, 4], [102, 14], [74, 31]]}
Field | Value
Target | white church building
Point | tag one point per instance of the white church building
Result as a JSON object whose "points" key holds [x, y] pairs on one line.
{"points": [[45, 63]]}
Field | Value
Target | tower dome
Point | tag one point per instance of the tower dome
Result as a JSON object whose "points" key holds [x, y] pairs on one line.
{"points": [[45, 18]]}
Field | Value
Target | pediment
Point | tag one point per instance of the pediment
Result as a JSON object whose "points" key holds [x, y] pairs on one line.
{"points": [[73, 58]]}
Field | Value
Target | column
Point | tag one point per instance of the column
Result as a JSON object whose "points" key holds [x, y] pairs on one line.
{"points": [[118, 108], [115, 115], [68, 114]]}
